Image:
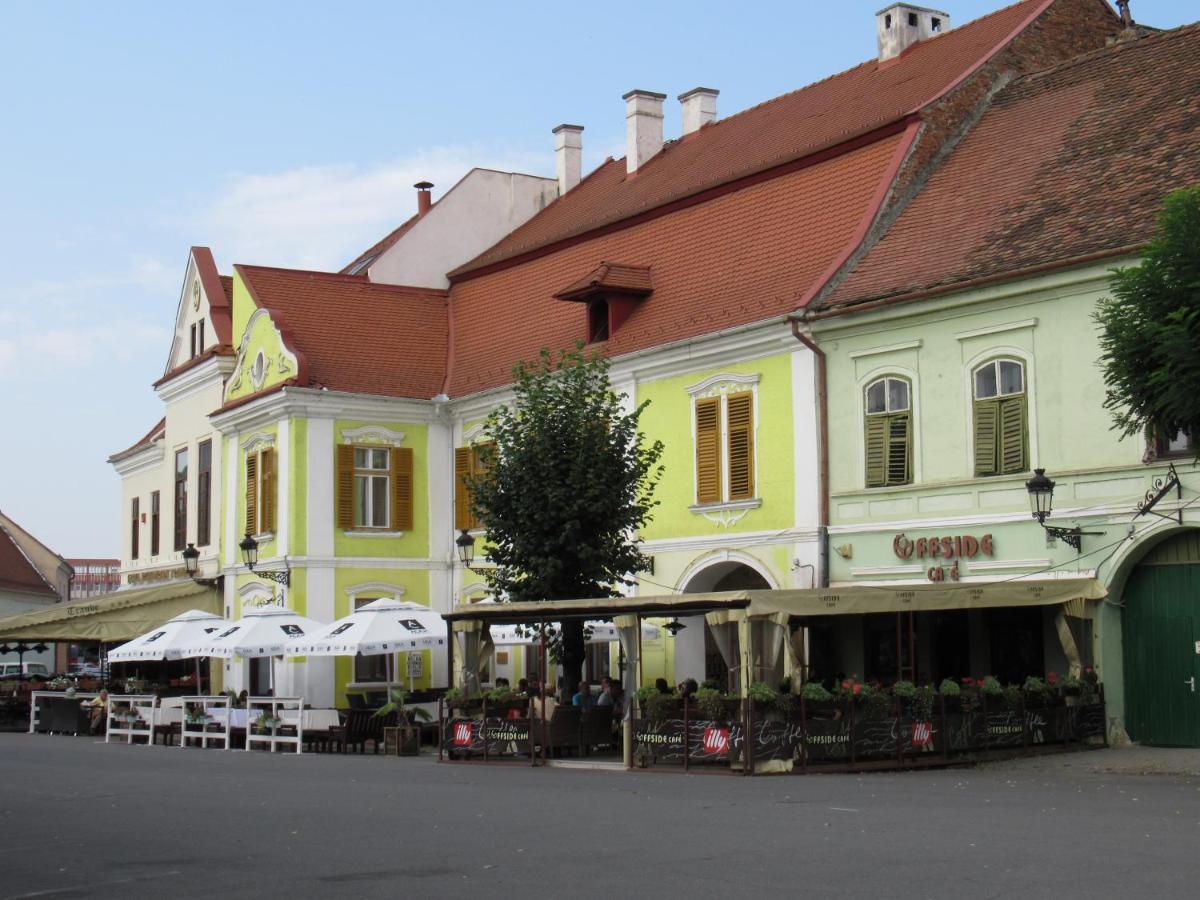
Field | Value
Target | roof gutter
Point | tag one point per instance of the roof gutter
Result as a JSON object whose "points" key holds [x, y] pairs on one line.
{"points": [[811, 315], [822, 450]]}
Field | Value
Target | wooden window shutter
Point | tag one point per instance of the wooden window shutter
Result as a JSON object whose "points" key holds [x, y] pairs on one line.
{"points": [[462, 494], [251, 493], [987, 421], [708, 450], [402, 489], [345, 487], [480, 467], [266, 477], [1012, 455], [739, 416], [876, 450], [899, 445]]}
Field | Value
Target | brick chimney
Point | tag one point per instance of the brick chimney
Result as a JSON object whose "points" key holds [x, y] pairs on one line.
{"points": [[568, 156], [424, 198], [643, 127], [899, 26], [699, 108]]}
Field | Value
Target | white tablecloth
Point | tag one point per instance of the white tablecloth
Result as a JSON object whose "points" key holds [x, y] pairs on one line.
{"points": [[314, 719]]}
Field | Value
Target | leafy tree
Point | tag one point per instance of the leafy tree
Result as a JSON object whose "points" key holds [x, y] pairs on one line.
{"points": [[1150, 329], [565, 487]]}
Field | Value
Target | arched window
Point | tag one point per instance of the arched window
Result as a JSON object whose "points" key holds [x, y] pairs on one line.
{"points": [[888, 432], [1000, 418]]}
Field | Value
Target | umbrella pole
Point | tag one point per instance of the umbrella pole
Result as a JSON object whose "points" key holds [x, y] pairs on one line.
{"points": [[197, 661]]}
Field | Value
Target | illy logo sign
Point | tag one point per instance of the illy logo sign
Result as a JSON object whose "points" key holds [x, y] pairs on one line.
{"points": [[922, 734], [716, 740], [464, 732]]}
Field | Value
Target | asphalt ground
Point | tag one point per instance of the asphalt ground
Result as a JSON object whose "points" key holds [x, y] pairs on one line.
{"points": [[82, 818]]}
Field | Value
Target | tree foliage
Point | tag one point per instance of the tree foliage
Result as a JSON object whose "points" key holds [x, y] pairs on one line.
{"points": [[1150, 329], [566, 486]]}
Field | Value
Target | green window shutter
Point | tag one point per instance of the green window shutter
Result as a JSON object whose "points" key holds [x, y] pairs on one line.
{"points": [[877, 450], [987, 434], [899, 449], [1012, 456]]}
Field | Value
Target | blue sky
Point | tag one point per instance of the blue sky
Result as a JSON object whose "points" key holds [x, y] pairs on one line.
{"points": [[291, 134]]}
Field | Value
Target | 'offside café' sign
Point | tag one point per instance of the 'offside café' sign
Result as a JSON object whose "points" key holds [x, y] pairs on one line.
{"points": [[951, 548]]}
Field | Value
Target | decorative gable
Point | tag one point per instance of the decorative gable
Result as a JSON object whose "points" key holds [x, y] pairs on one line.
{"points": [[263, 358], [202, 318]]}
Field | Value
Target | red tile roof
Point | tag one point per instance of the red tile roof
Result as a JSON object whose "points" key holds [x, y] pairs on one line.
{"points": [[610, 277], [1067, 164], [220, 300], [17, 573], [354, 335], [778, 131], [357, 265], [145, 440], [742, 257]]}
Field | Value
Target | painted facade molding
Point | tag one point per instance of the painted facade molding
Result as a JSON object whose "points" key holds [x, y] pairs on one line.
{"points": [[724, 383], [260, 440], [373, 434], [395, 591]]}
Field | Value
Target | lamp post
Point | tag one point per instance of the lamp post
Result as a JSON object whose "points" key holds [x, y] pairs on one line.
{"points": [[466, 548], [1041, 503], [249, 547], [191, 560]]}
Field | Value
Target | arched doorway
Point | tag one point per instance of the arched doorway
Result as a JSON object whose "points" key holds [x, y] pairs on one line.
{"points": [[697, 653], [1160, 625]]}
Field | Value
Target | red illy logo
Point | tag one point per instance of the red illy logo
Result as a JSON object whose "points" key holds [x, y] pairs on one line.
{"points": [[922, 734], [716, 740], [464, 733]]}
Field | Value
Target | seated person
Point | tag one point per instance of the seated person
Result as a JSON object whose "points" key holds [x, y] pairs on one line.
{"points": [[688, 687], [523, 687], [551, 703], [98, 710], [606, 692], [583, 697], [661, 685]]}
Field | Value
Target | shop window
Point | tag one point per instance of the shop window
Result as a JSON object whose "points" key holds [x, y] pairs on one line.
{"points": [[1000, 418], [888, 432]]}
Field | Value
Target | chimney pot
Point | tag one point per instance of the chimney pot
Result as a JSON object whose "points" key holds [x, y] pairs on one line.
{"points": [[568, 156], [699, 108], [424, 198], [643, 127], [899, 26]]}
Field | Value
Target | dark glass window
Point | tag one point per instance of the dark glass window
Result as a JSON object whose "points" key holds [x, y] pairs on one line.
{"points": [[154, 523], [181, 475], [203, 493]]}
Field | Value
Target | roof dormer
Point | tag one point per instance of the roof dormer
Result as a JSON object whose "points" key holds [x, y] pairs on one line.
{"points": [[612, 292]]}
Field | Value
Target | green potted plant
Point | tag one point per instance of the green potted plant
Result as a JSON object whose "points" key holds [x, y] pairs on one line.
{"points": [[1038, 694], [408, 734], [657, 706], [768, 702], [709, 703]]}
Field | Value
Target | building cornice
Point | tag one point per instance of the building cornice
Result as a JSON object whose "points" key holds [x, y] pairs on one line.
{"points": [[314, 403], [143, 460], [212, 372]]}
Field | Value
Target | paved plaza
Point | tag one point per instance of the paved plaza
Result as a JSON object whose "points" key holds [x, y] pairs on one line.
{"points": [[85, 819]]}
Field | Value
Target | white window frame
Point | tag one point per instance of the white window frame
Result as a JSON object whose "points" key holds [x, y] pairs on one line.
{"points": [[372, 474], [722, 386]]}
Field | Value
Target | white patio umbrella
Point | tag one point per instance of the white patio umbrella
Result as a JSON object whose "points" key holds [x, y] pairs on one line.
{"points": [[174, 639], [265, 631], [382, 626]]}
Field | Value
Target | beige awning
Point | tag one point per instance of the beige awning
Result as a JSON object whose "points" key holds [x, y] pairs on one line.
{"points": [[116, 617], [858, 598], [782, 604]]}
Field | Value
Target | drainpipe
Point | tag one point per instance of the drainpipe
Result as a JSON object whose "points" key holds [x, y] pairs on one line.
{"points": [[822, 451]]}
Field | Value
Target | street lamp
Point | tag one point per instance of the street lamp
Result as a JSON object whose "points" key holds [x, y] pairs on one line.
{"points": [[249, 548], [1041, 502], [674, 626], [191, 560], [466, 548]]}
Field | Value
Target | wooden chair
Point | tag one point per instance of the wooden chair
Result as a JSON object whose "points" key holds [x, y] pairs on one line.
{"points": [[563, 731], [363, 725], [595, 728]]}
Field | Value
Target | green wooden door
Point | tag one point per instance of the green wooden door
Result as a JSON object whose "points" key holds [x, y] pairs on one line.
{"points": [[1161, 626]]}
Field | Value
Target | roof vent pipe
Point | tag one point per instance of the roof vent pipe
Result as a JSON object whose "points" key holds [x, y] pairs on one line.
{"points": [[424, 198], [699, 108], [568, 156], [643, 127]]}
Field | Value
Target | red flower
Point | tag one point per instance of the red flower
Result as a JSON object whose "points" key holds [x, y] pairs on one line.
{"points": [[858, 688], [1051, 678], [846, 685]]}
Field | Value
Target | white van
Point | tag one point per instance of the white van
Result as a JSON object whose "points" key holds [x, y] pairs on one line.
{"points": [[8, 670]]}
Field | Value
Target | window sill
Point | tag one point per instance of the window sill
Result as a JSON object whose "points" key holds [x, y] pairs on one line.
{"points": [[369, 533], [263, 537], [726, 506]]}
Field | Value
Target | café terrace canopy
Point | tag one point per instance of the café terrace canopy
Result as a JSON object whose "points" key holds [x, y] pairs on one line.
{"points": [[112, 618], [776, 604]]}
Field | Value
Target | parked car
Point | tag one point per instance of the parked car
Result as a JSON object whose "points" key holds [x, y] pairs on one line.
{"points": [[85, 670], [17, 669]]}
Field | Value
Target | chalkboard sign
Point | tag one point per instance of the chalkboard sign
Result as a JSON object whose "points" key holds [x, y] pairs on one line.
{"points": [[707, 740], [827, 740], [1089, 721]]}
